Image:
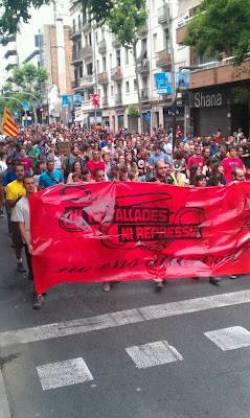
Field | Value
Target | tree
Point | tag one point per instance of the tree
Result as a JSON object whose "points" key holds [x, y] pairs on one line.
{"points": [[124, 18], [24, 85], [15, 12], [125, 21], [221, 28]]}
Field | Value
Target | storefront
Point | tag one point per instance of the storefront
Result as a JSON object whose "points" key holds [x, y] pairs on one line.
{"points": [[212, 109]]}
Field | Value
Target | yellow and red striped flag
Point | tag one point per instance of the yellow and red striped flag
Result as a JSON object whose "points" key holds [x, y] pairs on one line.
{"points": [[9, 125]]}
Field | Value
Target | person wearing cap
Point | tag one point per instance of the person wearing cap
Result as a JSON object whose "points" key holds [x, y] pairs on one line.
{"points": [[50, 177]]}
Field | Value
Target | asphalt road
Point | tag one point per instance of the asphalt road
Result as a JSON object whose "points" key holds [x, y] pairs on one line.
{"points": [[90, 354]]}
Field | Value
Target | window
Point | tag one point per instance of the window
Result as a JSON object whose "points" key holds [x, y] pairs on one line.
{"points": [[79, 22], [118, 57], [167, 40], [80, 71], [112, 90], [90, 69], [104, 64], [96, 36], [98, 66], [126, 56], [90, 40], [155, 42], [74, 25], [127, 86], [110, 60], [135, 84]]}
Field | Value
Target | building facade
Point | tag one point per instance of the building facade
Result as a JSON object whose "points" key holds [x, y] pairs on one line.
{"points": [[103, 66], [10, 56], [214, 96]]}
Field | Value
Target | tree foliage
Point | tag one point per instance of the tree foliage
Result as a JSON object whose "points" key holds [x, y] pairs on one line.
{"points": [[14, 12], [24, 84], [126, 19], [221, 28]]}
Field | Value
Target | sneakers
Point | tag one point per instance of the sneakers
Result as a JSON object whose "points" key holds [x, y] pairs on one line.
{"points": [[214, 281], [159, 286], [106, 287], [38, 302], [20, 267]]}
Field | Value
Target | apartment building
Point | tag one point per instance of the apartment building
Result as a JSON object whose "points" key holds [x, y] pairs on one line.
{"points": [[10, 56], [213, 97], [102, 65]]}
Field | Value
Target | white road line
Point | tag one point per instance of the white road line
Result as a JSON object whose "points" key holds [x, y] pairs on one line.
{"points": [[153, 354], [4, 404], [64, 373], [231, 338], [126, 317]]}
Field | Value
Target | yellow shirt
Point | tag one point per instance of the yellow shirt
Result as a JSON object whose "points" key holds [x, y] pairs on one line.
{"points": [[14, 190]]}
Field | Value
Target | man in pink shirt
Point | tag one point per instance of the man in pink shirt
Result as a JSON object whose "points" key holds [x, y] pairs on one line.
{"points": [[96, 163], [230, 163]]}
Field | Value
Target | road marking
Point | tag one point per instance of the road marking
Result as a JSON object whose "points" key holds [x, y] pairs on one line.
{"points": [[4, 404], [126, 317], [64, 373], [230, 338], [153, 354]]}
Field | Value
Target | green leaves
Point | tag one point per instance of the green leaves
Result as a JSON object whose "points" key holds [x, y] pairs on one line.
{"points": [[222, 27], [15, 12]]}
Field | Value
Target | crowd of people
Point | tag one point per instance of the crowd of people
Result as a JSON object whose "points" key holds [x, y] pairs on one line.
{"points": [[42, 156]]}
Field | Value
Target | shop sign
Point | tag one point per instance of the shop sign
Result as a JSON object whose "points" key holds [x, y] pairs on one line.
{"points": [[207, 100]]}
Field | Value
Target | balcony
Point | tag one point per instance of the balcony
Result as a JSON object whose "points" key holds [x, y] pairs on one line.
{"points": [[143, 31], [105, 101], [116, 74], [163, 14], [86, 81], [143, 66], [144, 95], [221, 73], [102, 47], [103, 78], [164, 59], [76, 32], [87, 52], [118, 99], [116, 43], [181, 34], [9, 53], [77, 56]]}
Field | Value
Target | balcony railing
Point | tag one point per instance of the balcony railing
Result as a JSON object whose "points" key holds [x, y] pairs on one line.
{"points": [[77, 56], [103, 78], [102, 46], [76, 32], [163, 14], [143, 66], [116, 74], [86, 80], [118, 99], [87, 52], [164, 59], [220, 73]]}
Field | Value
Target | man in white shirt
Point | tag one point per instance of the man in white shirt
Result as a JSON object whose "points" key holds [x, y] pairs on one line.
{"points": [[23, 217]]}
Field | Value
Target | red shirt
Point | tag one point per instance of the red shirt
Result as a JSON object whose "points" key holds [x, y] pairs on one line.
{"points": [[95, 165], [195, 160], [229, 165], [27, 163]]}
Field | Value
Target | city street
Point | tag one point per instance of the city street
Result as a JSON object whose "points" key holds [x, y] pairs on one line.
{"points": [[131, 353]]}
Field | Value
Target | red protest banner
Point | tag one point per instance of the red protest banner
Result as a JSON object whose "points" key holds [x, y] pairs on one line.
{"points": [[139, 231]]}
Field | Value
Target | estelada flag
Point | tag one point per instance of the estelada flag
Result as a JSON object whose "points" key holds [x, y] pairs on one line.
{"points": [[9, 125]]}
